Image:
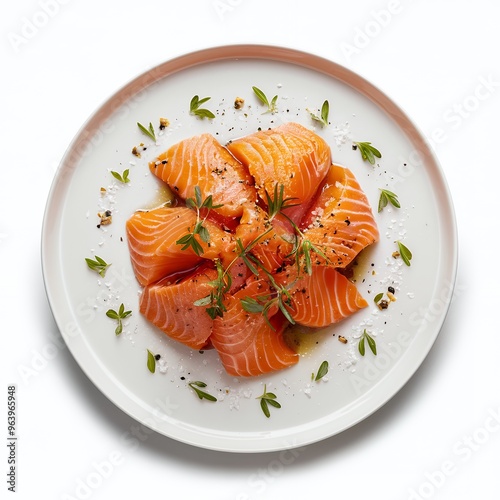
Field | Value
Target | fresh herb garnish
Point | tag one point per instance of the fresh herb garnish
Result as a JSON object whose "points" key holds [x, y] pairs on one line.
{"points": [[194, 108], [151, 361], [215, 299], [190, 240], [276, 204], [268, 398], [271, 106], [323, 118], [201, 394], [121, 177], [98, 265], [387, 197], [405, 253], [323, 370], [150, 131], [119, 316], [368, 152], [371, 344], [378, 298]]}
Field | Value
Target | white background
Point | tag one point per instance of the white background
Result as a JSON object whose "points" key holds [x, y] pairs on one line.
{"points": [[438, 437]]}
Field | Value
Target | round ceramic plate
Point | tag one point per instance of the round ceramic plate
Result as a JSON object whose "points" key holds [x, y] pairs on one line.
{"points": [[355, 386]]}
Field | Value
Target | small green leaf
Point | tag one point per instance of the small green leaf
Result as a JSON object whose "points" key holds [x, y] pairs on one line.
{"points": [[268, 398], [252, 305], [368, 152], [387, 196], [194, 108], [323, 370], [205, 301], [150, 132], [98, 265], [151, 362], [201, 394], [405, 253], [378, 298], [112, 314], [361, 346], [121, 177], [271, 106], [323, 118]]}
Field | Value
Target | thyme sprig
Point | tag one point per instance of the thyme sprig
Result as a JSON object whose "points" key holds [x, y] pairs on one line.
{"points": [[371, 343], [194, 107], [266, 399], [278, 203], [271, 105], [119, 315], [98, 265], [405, 253], [323, 117], [386, 197], [368, 152], [150, 131], [201, 394], [121, 177], [189, 240]]}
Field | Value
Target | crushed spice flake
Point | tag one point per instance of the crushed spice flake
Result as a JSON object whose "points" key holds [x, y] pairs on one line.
{"points": [[342, 339], [239, 102], [106, 218], [164, 123]]}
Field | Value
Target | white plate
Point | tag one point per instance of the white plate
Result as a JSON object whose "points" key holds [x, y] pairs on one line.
{"points": [[355, 386]]}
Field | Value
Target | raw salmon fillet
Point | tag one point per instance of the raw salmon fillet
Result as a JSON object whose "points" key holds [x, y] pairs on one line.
{"points": [[202, 161], [340, 221], [291, 155], [152, 238], [322, 298], [246, 344], [170, 307]]}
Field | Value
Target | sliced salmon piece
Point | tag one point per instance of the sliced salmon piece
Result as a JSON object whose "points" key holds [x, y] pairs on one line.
{"points": [[170, 307], [202, 161], [246, 343], [288, 155], [322, 298], [152, 238], [274, 239], [340, 221]]}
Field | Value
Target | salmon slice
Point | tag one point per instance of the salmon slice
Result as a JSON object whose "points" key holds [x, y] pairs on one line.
{"points": [[152, 238], [170, 307], [202, 161], [271, 241], [246, 343], [341, 222], [322, 298], [288, 155]]}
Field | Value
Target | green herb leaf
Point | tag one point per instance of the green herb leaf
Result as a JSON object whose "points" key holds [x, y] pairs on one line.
{"points": [[150, 131], [268, 398], [201, 394], [276, 204], [252, 305], [151, 362], [368, 152], [98, 265], [119, 316], [378, 297], [371, 343], [405, 253], [323, 370], [323, 118], [271, 106], [121, 177], [194, 108], [386, 197]]}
